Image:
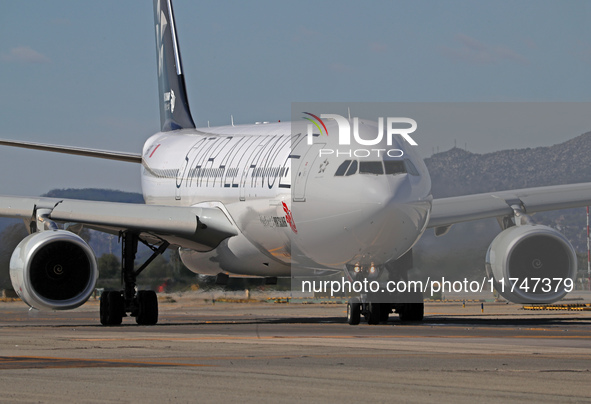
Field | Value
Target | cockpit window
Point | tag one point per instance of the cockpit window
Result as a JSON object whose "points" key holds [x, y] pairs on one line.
{"points": [[342, 168], [388, 167], [352, 169], [412, 170], [394, 167], [371, 167]]}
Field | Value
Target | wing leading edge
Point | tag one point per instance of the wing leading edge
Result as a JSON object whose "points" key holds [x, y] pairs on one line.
{"points": [[448, 211], [198, 228], [78, 151]]}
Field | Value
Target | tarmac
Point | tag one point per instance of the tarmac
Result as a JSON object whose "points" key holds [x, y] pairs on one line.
{"points": [[267, 352]]}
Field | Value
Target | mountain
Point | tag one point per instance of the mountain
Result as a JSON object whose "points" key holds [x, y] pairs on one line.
{"points": [[459, 172]]}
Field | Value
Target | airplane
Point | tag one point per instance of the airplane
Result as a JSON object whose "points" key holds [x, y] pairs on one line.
{"points": [[274, 200]]}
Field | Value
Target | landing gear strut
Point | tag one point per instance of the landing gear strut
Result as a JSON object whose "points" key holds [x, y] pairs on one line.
{"points": [[376, 307], [143, 304], [409, 304]]}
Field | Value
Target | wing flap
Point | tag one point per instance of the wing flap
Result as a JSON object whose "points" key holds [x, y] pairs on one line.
{"points": [[448, 211]]}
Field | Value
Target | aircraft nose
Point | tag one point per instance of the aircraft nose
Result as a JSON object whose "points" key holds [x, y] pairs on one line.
{"points": [[390, 221], [371, 220], [383, 191]]}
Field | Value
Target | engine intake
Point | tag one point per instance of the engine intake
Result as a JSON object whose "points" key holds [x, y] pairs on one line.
{"points": [[53, 270], [541, 259]]}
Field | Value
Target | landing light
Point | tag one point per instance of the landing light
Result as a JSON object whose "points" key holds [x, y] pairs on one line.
{"points": [[372, 269], [357, 269]]}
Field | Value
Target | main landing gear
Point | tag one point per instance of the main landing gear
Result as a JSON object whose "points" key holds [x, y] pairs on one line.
{"points": [[143, 304]]}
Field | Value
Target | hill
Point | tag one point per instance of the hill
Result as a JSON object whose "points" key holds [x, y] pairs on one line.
{"points": [[459, 172]]}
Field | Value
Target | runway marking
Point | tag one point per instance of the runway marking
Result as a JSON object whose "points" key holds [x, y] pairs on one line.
{"points": [[276, 337], [397, 354], [40, 362]]}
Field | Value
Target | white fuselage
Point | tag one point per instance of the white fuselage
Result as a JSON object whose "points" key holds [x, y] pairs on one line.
{"points": [[295, 210]]}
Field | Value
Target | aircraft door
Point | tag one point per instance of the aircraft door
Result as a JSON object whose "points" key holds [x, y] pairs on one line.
{"points": [[300, 178], [180, 177]]}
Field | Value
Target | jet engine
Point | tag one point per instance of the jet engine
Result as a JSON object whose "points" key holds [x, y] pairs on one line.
{"points": [[53, 270], [531, 264]]}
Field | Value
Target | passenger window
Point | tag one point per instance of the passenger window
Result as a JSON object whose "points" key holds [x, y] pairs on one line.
{"points": [[394, 167], [342, 168], [412, 170], [371, 167], [352, 169]]}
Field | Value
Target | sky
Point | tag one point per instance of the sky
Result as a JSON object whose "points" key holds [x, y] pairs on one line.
{"points": [[84, 73]]}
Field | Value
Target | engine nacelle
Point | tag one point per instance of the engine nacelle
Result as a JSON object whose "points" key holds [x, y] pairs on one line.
{"points": [[531, 252], [53, 270]]}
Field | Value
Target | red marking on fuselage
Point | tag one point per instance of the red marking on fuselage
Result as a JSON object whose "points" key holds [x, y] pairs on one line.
{"points": [[289, 218], [154, 151]]}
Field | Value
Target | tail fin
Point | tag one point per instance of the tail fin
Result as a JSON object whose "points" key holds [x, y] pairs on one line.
{"points": [[174, 105]]}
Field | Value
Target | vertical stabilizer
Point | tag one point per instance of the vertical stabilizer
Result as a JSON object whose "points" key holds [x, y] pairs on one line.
{"points": [[174, 105]]}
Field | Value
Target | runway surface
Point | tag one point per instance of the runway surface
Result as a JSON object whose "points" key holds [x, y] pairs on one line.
{"points": [[264, 352]]}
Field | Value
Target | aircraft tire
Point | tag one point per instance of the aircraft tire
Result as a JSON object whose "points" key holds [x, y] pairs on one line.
{"points": [[111, 308], [374, 314], [147, 307], [353, 311], [411, 312], [384, 312]]}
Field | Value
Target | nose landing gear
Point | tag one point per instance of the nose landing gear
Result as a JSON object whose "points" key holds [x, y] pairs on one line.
{"points": [[376, 307], [354, 311], [379, 312]]}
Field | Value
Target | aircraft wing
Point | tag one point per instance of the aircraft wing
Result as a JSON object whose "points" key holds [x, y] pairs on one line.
{"points": [[448, 211], [77, 151], [198, 228]]}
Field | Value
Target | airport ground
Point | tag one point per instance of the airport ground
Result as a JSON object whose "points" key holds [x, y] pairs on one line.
{"points": [[266, 352]]}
